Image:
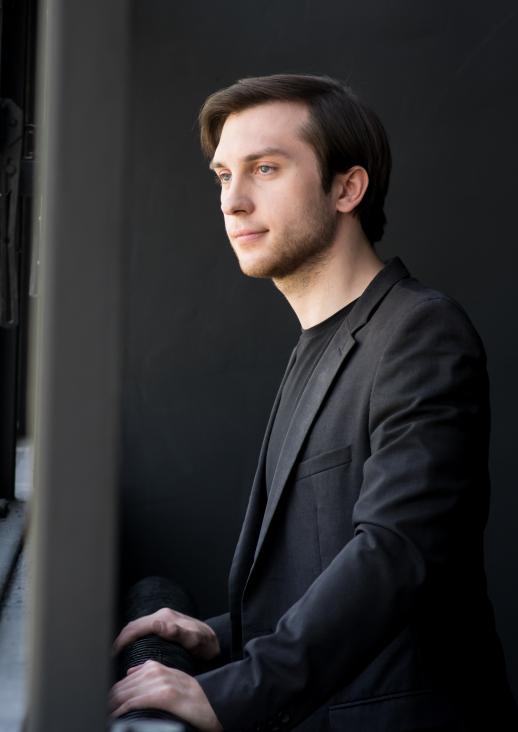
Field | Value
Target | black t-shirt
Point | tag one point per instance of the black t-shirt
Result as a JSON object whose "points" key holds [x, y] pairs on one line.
{"points": [[311, 345]]}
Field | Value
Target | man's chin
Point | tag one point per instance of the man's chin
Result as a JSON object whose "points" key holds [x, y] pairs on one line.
{"points": [[261, 270], [270, 272], [255, 272]]}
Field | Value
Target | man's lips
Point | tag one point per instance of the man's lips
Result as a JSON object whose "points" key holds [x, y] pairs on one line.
{"points": [[247, 234]]}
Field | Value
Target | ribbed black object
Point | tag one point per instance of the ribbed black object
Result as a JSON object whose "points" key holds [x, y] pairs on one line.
{"points": [[145, 597]]}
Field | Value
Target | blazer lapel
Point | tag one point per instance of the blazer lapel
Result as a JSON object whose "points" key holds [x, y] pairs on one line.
{"points": [[303, 416], [254, 512], [318, 385]]}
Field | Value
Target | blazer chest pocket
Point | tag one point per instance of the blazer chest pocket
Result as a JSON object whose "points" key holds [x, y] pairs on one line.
{"points": [[418, 711], [323, 461]]}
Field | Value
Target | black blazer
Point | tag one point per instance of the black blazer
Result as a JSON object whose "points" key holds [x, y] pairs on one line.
{"points": [[357, 592]]}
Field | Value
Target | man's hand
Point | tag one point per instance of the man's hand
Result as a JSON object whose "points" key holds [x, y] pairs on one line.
{"points": [[194, 635], [154, 686]]}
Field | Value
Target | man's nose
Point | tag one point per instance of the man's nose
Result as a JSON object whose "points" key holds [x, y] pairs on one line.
{"points": [[235, 199]]}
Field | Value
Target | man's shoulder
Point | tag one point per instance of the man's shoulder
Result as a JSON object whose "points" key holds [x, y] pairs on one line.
{"points": [[409, 294], [394, 294], [412, 305]]}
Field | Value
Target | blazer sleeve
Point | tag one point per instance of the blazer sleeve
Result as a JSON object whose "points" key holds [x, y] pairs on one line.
{"points": [[428, 431], [220, 624]]}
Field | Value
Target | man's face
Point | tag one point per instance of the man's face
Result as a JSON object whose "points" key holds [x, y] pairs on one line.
{"points": [[277, 217]]}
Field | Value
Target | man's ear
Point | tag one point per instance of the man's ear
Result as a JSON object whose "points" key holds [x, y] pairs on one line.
{"points": [[350, 188]]}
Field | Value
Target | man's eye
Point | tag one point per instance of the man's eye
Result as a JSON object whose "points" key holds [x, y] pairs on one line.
{"points": [[266, 168], [221, 178]]}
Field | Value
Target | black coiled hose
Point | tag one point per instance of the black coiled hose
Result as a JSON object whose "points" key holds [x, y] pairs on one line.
{"points": [[145, 597]]}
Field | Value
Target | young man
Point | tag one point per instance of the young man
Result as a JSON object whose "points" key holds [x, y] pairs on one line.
{"points": [[357, 591]]}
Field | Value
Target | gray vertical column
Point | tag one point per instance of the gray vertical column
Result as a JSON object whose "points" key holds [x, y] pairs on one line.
{"points": [[80, 225]]}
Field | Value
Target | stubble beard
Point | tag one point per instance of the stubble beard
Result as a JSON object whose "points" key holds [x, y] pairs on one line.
{"points": [[297, 253]]}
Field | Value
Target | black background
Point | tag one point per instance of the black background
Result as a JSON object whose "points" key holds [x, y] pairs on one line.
{"points": [[205, 347]]}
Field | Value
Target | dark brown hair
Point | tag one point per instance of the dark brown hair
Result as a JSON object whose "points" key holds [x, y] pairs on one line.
{"points": [[342, 130]]}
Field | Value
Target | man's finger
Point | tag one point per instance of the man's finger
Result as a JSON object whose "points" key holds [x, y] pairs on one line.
{"points": [[132, 669], [132, 631], [184, 631], [139, 701]]}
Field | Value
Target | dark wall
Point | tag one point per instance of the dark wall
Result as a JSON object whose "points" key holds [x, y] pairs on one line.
{"points": [[206, 347]]}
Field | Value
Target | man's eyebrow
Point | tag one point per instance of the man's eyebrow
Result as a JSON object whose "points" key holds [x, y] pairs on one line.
{"points": [[254, 156]]}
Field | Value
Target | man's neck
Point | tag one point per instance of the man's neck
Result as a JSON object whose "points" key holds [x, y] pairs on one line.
{"points": [[320, 290]]}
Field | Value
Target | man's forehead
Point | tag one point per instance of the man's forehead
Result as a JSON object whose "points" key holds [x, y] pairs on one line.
{"points": [[274, 127]]}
